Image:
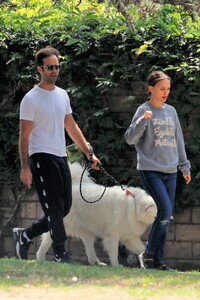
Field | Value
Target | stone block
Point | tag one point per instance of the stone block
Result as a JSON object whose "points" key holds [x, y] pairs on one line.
{"points": [[39, 211], [8, 245], [183, 264], [184, 217], [30, 196], [7, 194], [171, 232], [187, 232], [28, 210], [196, 251], [32, 251], [5, 213], [196, 215], [178, 250], [24, 223]]}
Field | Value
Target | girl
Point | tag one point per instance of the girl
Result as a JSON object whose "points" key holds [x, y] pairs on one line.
{"points": [[157, 135]]}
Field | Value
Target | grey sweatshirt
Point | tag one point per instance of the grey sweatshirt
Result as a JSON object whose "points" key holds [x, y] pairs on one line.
{"points": [[158, 141]]}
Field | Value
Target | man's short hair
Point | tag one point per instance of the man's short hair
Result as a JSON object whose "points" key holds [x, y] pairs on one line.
{"points": [[45, 52]]}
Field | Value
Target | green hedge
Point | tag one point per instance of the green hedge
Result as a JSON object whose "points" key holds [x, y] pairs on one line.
{"points": [[99, 53]]}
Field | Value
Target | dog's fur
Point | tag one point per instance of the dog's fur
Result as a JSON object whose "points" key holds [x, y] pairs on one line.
{"points": [[117, 218]]}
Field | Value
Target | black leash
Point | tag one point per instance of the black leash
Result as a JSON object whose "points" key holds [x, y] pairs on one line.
{"points": [[81, 181], [109, 178]]}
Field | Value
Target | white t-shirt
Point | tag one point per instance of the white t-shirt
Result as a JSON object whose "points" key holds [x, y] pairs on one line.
{"points": [[47, 110]]}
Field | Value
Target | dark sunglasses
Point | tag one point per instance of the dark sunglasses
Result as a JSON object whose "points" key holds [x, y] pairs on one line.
{"points": [[52, 67]]}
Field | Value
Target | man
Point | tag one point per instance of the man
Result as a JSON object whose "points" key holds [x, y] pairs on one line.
{"points": [[45, 114]]}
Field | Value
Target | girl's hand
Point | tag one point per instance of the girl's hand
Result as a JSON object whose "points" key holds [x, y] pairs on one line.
{"points": [[187, 178], [147, 114]]}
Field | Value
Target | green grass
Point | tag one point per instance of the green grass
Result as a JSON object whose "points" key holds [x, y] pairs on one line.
{"points": [[78, 280]]}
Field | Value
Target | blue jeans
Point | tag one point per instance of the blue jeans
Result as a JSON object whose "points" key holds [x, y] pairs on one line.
{"points": [[162, 188]]}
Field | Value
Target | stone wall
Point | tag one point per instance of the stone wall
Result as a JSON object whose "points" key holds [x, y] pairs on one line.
{"points": [[182, 247], [183, 244]]}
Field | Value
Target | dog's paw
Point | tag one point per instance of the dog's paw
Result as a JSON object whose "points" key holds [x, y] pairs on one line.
{"points": [[101, 264]]}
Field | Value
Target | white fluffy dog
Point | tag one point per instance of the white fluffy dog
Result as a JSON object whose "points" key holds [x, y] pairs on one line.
{"points": [[118, 217]]}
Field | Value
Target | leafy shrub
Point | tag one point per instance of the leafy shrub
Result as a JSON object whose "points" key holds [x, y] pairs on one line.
{"points": [[100, 55]]}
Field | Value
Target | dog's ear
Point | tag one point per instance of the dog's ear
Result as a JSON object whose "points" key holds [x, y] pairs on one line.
{"points": [[149, 207]]}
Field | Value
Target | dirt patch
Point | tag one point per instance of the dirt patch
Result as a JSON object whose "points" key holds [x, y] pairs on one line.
{"points": [[76, 292]]}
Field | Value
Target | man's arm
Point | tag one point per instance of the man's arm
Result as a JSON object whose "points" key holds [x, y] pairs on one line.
{"points": [[24, 133], [77, 136]]}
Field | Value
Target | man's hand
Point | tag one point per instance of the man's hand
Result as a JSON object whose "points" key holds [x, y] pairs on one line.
{"points": [[95, 162], [26, 177]]}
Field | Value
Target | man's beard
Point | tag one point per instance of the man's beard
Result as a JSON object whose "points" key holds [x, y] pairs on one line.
{"points": [[52, 80]]}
